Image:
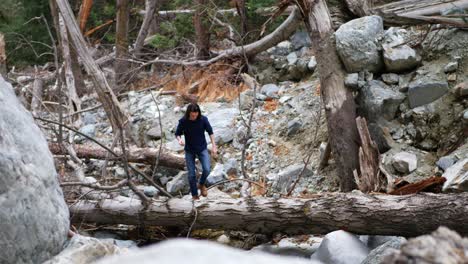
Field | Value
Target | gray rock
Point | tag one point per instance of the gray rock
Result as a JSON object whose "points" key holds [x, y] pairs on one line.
{"points": [[465, 115], [423, 91], [217, 174], [222, 121], [82, 249], [292, 58], [292, 246], [270, 90], [282, 49], [150, 191], [34, 217], [390, 78], [341, 247], [312, 64], [451, 67], [174, 145], [154, 133], [179, 183], [457, 177], [404, 162], [89, 130], [377, 100], [300, 39], [373, 242], [401, 58], [293, 127], [287, 176], [356, 43], [231, 167], [445, 162], [377, 255], [261, 97], [461, 90], [351, 80], [180, 250], [89, 118]]}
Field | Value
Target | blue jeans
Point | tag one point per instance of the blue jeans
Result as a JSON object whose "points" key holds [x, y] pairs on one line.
{"points": [[204, 158]]}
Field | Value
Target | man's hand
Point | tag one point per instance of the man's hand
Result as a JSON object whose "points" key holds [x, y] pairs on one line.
{"points": [[181, 142], [214, 151]]}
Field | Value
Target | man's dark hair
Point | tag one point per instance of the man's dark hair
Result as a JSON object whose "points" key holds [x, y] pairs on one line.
{"points": [[192, 108]]}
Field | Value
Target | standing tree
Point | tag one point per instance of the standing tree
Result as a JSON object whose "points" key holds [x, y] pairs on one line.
{"points": [[339, 103], [242, 12], [201, 22], [121, 43]]}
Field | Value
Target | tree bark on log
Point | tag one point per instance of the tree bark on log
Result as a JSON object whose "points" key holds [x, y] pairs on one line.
{"points": [[339, 103], [137, 155], [111, 105], [407, 215]]}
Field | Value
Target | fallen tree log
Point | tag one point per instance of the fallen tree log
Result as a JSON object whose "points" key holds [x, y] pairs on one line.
{"points": [[137, 155], [407, 215]]}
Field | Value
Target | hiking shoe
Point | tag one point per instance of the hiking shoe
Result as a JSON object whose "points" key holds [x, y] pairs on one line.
{"points": [[195, 197], [203, 190]]}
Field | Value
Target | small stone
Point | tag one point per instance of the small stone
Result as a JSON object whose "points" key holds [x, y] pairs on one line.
{"points": [[270, 90], [223, 239], [451, 67], [154, 133], [390, 78], [285, 98], [89, 130], [457, 176], [445, 162], [461, 90], [150, 191], [405, 162], [452, 77], [465, 115], [272, 143], [312, 64], [292, 58], [351, 80], [293, 127], [120, 172]]}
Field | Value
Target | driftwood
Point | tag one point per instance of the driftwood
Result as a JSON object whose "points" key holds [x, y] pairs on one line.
{"points": [[138, 155], [432, 184], [407, 215], [369, 180], [114, 111], [413, 12]]}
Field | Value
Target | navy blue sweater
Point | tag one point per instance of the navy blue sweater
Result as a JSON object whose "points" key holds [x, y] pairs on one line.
{"points": [[194, 132]]}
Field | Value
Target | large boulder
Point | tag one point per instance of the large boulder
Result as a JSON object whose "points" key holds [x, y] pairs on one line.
{"points": [[357, 45], [284, 179], [34, 219], [426, 90], [198, 252], [341, 247], [377, 100]]}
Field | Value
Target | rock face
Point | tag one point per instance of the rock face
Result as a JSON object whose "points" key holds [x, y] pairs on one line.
{"points": [[198, 252], [34, 218], [377, 100], [341, 247], [356, 43], [457, 176], [423, 91]]}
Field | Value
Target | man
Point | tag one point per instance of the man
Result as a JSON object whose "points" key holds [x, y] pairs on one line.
{"points": [[193, 126]]}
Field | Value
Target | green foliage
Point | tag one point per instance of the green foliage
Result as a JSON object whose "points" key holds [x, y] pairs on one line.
{"points": [[27, 39], [252, 5], [162, 42]]}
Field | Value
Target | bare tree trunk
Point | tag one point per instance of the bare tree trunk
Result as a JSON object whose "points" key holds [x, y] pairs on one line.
{"points": [[338, 100], [37, 91], [407, 215], [3, 68], [111, 105], [242, 11], [137, 155], [201, 22], [149, 17], [121, 44], [73, 98]]}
